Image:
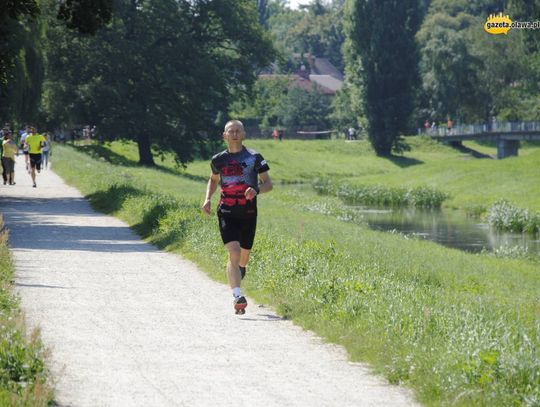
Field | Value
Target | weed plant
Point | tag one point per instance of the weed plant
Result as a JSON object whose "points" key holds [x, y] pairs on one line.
{"points": [[380, 195], [23, 376], [505, 216]]}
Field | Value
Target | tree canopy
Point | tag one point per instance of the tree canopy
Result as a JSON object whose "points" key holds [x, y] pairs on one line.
{"points": [[160, 73], [382, 38]]}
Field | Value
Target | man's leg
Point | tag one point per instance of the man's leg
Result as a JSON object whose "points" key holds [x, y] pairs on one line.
{"points": [[233, 273], [244, 259], [4, 170]]}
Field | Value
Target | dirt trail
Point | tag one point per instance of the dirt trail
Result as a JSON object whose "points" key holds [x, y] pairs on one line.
{"points": [[129, 325]]}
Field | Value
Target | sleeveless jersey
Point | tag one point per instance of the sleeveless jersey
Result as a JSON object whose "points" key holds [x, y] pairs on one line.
{"points": [[238, 171]]}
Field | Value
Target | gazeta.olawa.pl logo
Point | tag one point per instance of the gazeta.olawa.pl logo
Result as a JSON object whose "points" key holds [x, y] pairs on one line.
{"points": [[501, 24]]}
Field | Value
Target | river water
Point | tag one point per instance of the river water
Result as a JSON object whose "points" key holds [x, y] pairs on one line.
{"points": [[450, 228]]}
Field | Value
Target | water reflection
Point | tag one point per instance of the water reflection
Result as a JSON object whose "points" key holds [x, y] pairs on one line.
{"points": [[447, 227]]}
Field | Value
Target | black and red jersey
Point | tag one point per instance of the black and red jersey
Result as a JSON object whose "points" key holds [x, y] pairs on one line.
{"points": [[238, 171]]}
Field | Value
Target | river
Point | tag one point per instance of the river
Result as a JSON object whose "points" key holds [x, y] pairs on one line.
{"points": [[450, 228]]}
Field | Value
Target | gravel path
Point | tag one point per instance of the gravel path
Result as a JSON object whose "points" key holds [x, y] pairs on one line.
{"points": [[129, 325]]}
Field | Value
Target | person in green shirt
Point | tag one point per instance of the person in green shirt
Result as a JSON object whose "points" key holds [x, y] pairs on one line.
{"points": [[35, 143], [9, 149]]}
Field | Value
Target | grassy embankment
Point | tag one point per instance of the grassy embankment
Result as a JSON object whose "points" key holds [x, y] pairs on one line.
{"points": [[23, 376], [458, 328]]}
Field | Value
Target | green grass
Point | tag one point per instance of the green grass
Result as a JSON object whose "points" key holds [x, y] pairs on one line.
{"points": [[469, 181], [23, 376], [460, 329]]}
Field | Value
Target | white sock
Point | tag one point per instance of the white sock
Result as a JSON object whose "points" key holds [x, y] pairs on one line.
{"points": [[236, 292]]}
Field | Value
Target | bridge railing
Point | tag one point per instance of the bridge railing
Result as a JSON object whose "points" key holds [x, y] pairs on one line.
{"points": [[493, 127]]}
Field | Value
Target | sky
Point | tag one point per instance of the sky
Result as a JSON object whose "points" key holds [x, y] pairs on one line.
{"points": [[295, 3]]}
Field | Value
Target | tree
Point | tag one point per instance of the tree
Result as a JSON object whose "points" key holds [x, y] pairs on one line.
{"points": [[160, 73], [382, 35], [316, 29], [302, 108], [22, 27], [450, 69], [10, 13], [86, 16]]}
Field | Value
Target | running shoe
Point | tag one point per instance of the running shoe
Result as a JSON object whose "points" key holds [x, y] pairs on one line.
{"points": [[240, 304]]}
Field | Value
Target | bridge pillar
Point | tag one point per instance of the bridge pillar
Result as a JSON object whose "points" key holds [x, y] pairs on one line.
{"points": [[507, 148]]}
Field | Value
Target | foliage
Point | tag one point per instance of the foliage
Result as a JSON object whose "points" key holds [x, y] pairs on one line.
{"points": [[23, 375], [276, 102], [20, 97], [86, 15], [160, 74], [316, 28], [263, 103], [504, 216], [10, 14], [382, 36], [380, 195], [459, 74], [303, 107], [450, 70]]}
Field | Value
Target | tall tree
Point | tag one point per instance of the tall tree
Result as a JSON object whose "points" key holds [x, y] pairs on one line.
{"points": [[22, 27], [10, 13], [382, 35], [450, 68], [160, 73]]}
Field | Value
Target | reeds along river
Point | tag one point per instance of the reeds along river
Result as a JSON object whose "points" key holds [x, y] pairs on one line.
{"points": [[449, 228]]}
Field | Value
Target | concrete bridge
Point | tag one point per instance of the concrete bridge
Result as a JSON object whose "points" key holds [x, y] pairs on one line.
{"points": [[506, 135]]}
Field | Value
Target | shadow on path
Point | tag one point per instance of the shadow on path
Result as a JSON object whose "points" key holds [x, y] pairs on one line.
{"points": [[36, 223]]}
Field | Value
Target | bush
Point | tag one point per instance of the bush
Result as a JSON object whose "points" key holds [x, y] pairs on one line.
{"points": [[504, 216], [380, 195]]}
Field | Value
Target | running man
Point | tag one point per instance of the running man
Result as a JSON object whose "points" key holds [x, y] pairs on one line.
{"points": [[35, 143], [243, 174]]}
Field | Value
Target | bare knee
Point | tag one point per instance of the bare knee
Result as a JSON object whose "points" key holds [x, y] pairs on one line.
{"points": [[234, 252]]}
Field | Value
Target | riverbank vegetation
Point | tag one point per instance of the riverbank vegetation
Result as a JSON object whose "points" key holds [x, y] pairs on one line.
{"points": [[458, 328], [23, 376]]}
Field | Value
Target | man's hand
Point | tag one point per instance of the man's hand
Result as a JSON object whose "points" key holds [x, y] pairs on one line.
{"points": [[250, 193], [206, 207]]}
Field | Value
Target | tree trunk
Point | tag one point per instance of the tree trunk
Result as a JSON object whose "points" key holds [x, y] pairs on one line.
{"points": [[145, 152]]}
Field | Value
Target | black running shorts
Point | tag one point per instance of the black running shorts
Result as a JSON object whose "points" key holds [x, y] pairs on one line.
{"points": [[238, 230], [35, 161]]}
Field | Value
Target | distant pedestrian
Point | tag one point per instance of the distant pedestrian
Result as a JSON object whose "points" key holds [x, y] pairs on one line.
{"points": [[3, 134], [426, 126], [275, 134], [24, 147], [45, 151], [433, 128], [280, 134], [34, 142], [9, 149], [243, 174], [449, 125], [351, 133]]}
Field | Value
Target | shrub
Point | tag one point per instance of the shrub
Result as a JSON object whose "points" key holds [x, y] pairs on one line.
{"points": [[504, 216], [380, 195]]}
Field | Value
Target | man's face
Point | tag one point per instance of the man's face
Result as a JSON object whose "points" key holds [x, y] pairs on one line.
{"points": [[234, 133]]}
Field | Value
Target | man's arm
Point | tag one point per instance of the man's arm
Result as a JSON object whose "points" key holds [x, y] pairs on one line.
{"points": [[266, 183], [264, 186], [210, 189]]}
